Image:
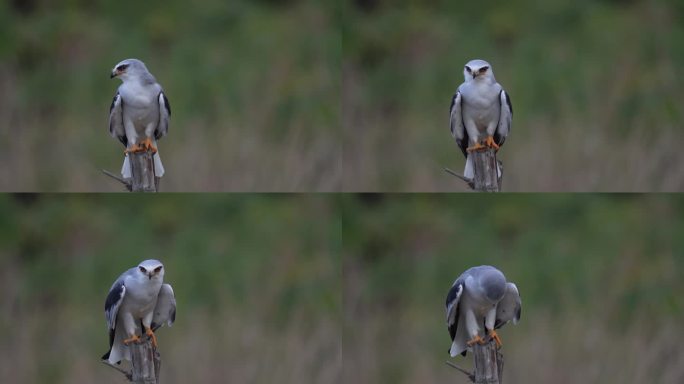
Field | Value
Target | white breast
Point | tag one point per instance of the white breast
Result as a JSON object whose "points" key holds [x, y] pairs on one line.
{"points": [[481, 103]]}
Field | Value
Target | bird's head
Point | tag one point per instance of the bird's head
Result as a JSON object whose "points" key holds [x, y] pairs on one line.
{"points": [[478, 70], [494, 285], [128, 69], [152, 269]]}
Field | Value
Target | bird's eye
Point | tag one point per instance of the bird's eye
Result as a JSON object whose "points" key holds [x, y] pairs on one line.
{"points": [[468, 69], [484, 69], [122, 67], [143, 270], [158, 269]]}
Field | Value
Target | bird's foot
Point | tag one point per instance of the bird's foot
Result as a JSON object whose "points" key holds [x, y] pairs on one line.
{"points": [[489, 142], [148, 146], [477, 147], [135, 148], [475, 340], [496, 338], [150, 333], [132, 339]]}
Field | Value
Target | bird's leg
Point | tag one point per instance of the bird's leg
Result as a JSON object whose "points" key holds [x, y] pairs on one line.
{"points": [[150, 333], [135, 148], [489, 142], [475, 340], [147, 145], [478, 146], [133, 339], [496, 338]]}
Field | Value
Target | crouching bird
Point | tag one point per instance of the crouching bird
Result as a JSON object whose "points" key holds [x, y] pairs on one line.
{"points": [[138, 303], [139, 114], [480, 297]]}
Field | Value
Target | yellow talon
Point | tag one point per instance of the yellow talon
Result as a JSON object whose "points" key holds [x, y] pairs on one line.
{"points": [[496, 338], [149, 333], [475, 340], [132, 339], [478, 146], [489, 142]]}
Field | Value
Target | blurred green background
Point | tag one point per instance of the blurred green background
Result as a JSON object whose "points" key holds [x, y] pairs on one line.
{"points": [[257, 279], [600, 278], [253, 85], [595, 85]]}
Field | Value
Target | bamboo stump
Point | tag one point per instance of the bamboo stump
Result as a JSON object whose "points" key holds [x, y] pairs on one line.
{"points": [[486, 177]]}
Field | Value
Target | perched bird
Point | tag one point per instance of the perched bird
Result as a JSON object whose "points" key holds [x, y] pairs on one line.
{"points": [[480, 296], [138, 302], [139, 114], [481, 112]]}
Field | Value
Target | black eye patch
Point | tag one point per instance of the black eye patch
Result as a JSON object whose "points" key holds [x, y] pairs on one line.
{"points": [[468, 69], [158, 269], [143, 270], [122, 67], [484, 69]]}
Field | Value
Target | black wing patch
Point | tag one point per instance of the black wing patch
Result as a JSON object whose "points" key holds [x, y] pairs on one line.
{"points": [[163, 130], [508, 101], [113, 102], [123, 139], [168, 106], [498, 138], [452, 299], [112, 304], [463, 144]]}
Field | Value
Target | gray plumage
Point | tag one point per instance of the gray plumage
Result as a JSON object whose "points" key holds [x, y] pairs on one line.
{"points": [[480, 108], [479, 297], [138, 299], [139, 111]]}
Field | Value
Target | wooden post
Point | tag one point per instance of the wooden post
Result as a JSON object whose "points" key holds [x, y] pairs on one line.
{"points": [[488, 367], [486, 177], [488, 364], [142, 170], [146, 363]]}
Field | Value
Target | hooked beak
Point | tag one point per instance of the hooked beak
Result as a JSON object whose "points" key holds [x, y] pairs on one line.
{"points": [[149, 275], [475, 74], [113, 75]]}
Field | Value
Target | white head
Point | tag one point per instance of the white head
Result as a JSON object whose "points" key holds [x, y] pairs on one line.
{"points": [[132, 69], [478, 70], [152, 269]]}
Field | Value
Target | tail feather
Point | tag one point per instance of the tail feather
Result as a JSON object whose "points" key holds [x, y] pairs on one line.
{"points": [[469, 172]]}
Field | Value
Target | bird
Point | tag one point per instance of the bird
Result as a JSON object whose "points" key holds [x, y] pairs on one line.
{"points": [[139, 300], [479, 297], [139, 114], [480, 113]]}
